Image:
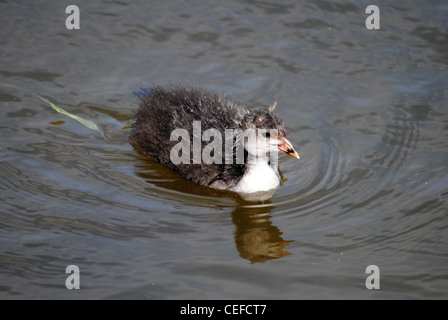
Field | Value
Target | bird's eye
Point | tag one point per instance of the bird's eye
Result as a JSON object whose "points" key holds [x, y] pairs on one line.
{"points": [[268, 135]]}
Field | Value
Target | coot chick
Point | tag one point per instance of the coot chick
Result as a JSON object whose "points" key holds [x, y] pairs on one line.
{"points": [[243, 165]]}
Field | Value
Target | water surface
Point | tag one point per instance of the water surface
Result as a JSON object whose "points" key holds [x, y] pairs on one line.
{"points": [[367, 110]]}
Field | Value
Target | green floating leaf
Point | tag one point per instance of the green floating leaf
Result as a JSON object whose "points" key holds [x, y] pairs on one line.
{"points": [[89, 124]]}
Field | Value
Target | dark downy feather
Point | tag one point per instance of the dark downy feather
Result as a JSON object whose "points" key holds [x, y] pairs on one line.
{"points": [[164, 109]]}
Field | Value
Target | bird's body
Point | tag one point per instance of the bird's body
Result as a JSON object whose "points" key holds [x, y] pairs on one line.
{"points": [[163, 110]]}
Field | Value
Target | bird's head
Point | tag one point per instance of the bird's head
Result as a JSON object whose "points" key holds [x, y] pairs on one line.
{"points": [[270, 131]]}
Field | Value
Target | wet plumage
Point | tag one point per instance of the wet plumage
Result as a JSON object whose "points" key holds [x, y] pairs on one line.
{"points": [[164, 109]]}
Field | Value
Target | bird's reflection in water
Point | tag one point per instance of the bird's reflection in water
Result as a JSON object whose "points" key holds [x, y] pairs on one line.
{"points": [[257, 240]]}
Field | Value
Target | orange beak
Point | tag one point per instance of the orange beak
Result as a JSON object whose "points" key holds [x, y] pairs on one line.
{"points": [[286, 147]]}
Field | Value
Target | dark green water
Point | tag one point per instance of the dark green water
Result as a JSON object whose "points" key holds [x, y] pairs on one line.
{"points": [[367, 110]]}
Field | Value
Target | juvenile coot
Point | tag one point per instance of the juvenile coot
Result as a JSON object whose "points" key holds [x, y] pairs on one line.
{"points": [[169, 115]]}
